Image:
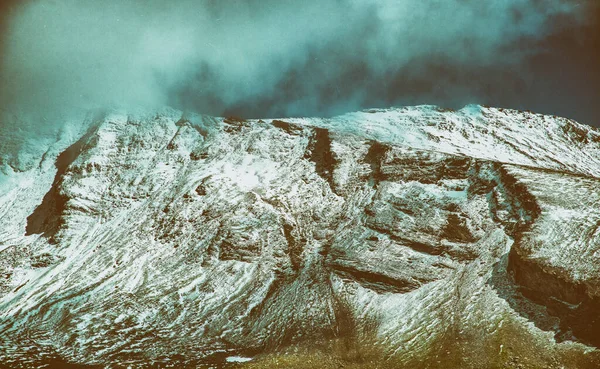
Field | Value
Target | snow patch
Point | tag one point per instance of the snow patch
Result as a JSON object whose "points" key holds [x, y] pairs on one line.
{"points": [[238, 359]]}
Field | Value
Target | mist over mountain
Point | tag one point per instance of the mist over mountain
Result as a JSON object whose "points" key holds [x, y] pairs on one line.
{"points": [[291, 58], [149, 218]]}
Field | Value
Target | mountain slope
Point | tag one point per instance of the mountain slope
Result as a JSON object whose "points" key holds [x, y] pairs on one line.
{"points": [[392, 235]]}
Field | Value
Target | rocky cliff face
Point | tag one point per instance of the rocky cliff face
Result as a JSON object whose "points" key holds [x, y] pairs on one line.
{"points": [[392, 238]]}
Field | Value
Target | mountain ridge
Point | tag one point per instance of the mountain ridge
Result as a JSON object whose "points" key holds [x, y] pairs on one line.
{"points": [[173, 237]]}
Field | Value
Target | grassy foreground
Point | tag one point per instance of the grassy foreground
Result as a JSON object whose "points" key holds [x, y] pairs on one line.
{"points": [[510, 346]]}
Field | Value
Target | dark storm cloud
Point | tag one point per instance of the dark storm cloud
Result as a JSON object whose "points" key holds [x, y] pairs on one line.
{"points": [[278, 58]]}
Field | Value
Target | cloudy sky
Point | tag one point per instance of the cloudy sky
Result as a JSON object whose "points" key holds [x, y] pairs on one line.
{"points": [[275, 58]]}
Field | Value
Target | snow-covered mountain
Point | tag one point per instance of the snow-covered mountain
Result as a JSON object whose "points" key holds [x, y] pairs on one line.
{"points": [[412, 237]]}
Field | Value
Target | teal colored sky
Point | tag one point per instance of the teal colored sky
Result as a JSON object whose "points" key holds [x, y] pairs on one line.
{"points": [[300, 58]]}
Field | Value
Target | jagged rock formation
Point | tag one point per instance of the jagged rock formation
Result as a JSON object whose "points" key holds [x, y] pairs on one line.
{"points": [[403, 237]]}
